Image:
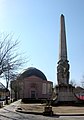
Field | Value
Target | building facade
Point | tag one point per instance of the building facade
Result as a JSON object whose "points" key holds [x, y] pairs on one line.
{"points": [[32, 84]]}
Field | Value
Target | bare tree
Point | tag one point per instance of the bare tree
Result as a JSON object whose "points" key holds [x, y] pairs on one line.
{"points": [[16, 87], [82, 81], [8, 55], [73, 83], [10, 60]]}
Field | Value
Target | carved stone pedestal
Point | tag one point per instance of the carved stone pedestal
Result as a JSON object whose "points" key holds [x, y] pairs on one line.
{"points": [[48, 111], [65, 93]]}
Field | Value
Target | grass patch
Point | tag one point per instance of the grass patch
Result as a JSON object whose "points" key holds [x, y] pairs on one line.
{"points": [[59, 109]]}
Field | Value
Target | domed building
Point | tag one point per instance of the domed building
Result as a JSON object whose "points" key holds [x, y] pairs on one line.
{"points": [[32, 83]]}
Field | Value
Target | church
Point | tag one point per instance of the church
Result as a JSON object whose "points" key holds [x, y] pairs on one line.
{"points": [[31, 84]]}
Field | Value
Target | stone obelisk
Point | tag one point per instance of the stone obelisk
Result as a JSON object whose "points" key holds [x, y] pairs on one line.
{"points": [[63, 45], [64, 90], [63, 66]]}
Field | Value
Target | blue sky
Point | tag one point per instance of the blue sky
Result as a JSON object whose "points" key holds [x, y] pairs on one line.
{"points": [[37, 22]]}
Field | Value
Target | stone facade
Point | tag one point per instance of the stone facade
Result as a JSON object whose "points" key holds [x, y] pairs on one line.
{"points": [[65, 93], [32, 87]]}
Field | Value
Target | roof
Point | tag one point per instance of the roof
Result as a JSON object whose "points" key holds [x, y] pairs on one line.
{"points": [[2, 86], [33, 71], [80, 96]]}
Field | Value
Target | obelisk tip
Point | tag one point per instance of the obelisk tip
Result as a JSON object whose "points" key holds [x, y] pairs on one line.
{"points": [[62, 15]]}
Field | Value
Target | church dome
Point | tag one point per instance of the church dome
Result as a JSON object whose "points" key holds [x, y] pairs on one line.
{"points": [[33, 71]]}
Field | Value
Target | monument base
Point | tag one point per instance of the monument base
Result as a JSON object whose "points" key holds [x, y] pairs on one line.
{"points": [[48, 111], [65, 93]]}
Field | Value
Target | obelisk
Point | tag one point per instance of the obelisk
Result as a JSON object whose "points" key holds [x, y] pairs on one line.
{"points": [[62, 45], [64, 90], [63, 66]]}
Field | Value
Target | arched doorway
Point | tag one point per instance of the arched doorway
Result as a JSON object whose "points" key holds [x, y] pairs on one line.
{"points": [[33, 94]]}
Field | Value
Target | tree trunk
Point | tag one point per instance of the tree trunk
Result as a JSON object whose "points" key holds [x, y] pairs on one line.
{"points": [[6, 99], [15, 95]]}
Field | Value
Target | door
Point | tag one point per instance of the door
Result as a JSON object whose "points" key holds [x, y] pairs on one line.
{"points": [[33, 94]]}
